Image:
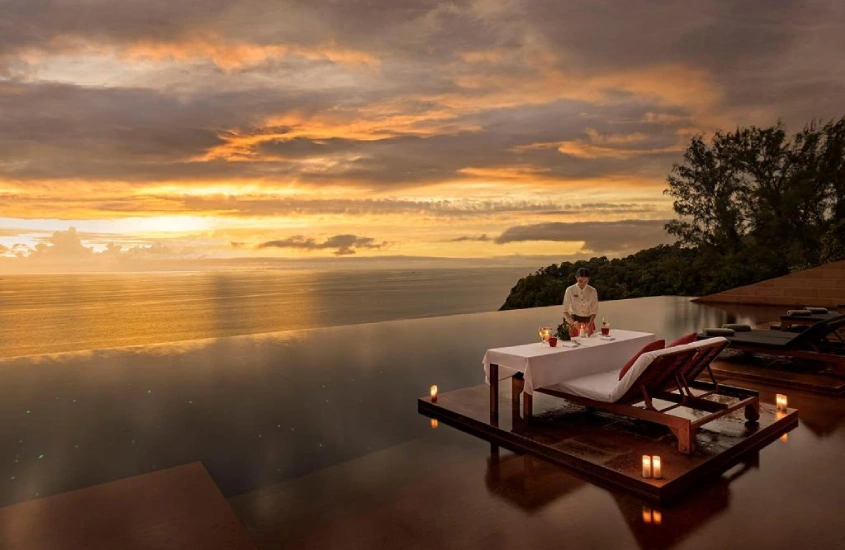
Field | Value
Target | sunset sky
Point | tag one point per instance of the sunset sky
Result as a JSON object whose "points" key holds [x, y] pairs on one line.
{"points": [[140, 134]]}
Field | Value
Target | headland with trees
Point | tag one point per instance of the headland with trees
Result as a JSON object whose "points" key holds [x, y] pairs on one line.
{"points": [[752, 204]]}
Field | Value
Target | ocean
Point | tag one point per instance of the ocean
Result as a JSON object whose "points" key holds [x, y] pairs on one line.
{"points": [[42, 314]]}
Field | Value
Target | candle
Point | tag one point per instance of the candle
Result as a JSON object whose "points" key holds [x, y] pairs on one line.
{"points": [[646, 466], [434, 394], [657, 516], [434, 424], [656, 470], [780, 401]]}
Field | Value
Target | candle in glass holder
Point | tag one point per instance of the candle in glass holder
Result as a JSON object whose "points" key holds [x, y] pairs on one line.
{"points": [[780, 401], [646, 466], [656, 468], [434, 394]]}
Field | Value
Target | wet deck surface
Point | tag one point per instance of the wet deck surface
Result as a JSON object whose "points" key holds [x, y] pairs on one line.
{"points": [[607, 449], [778, 373], [179, 507]]}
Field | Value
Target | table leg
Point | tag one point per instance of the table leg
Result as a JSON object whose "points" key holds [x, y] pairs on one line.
{"points": [[494, 390], [527, 406], [517, 384]]}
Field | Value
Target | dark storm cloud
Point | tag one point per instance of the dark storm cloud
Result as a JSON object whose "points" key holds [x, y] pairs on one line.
{"points": [[345, 245], [626, 235]]}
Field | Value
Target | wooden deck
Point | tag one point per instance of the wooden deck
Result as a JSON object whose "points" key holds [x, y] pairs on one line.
{"points": [[178, 507], [786, 378], [607, 449]]}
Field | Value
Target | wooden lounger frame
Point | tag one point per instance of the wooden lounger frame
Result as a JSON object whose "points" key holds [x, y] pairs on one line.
{"points": [[808, 344], [670, 377]]}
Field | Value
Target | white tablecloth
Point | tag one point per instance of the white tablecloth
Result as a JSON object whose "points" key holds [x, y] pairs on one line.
{"points": [[546, 366]]}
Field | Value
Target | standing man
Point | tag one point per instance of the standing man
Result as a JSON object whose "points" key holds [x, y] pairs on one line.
{"points": [[581, 301]]}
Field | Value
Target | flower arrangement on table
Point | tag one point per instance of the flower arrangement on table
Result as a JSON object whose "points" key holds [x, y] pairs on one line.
{"points": [[564, 331]]}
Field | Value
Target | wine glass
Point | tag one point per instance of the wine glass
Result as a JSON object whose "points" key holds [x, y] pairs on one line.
{"points": [[541, 331], [605, 327]]}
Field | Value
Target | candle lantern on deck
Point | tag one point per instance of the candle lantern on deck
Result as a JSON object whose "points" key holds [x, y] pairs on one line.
{"points": [[656, 467], [652, 467], [780, 402], [647, 466], [434, 394]]}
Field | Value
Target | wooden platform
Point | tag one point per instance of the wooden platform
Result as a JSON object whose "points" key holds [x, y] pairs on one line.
{"points": [[607, 449], [819, 383], [178, 507]]}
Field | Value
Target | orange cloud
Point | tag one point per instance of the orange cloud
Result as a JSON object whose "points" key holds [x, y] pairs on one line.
{"points": [[232, 56], [508, 172], [366, 123], [226, 54], [609, 145]]}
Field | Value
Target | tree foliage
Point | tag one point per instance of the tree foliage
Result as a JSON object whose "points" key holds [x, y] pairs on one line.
{"points": [[752, 204], [759, 188]]}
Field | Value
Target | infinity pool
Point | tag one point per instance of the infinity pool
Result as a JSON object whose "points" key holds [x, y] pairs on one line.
{"points": [[314, 438]]}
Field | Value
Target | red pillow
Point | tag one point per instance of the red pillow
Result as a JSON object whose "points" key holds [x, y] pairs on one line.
{"points": [[685, 339], [657, 344]]}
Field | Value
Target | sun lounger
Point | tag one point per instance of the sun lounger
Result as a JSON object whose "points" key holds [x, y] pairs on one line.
{"points": [[822, 342], [666, 375], [801, 321]]}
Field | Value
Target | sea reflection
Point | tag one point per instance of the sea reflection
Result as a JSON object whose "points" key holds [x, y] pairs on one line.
{"points": [[58, 313]]}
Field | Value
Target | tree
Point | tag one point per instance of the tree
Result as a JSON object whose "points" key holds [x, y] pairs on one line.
{"points": [[759, 188], [833, 243], [709, 195]]}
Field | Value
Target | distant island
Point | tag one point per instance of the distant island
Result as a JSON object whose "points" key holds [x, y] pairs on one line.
{"points": [[752, 205]]}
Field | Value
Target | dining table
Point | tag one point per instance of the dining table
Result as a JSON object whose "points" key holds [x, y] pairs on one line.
{"points": [[542, 365]]}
